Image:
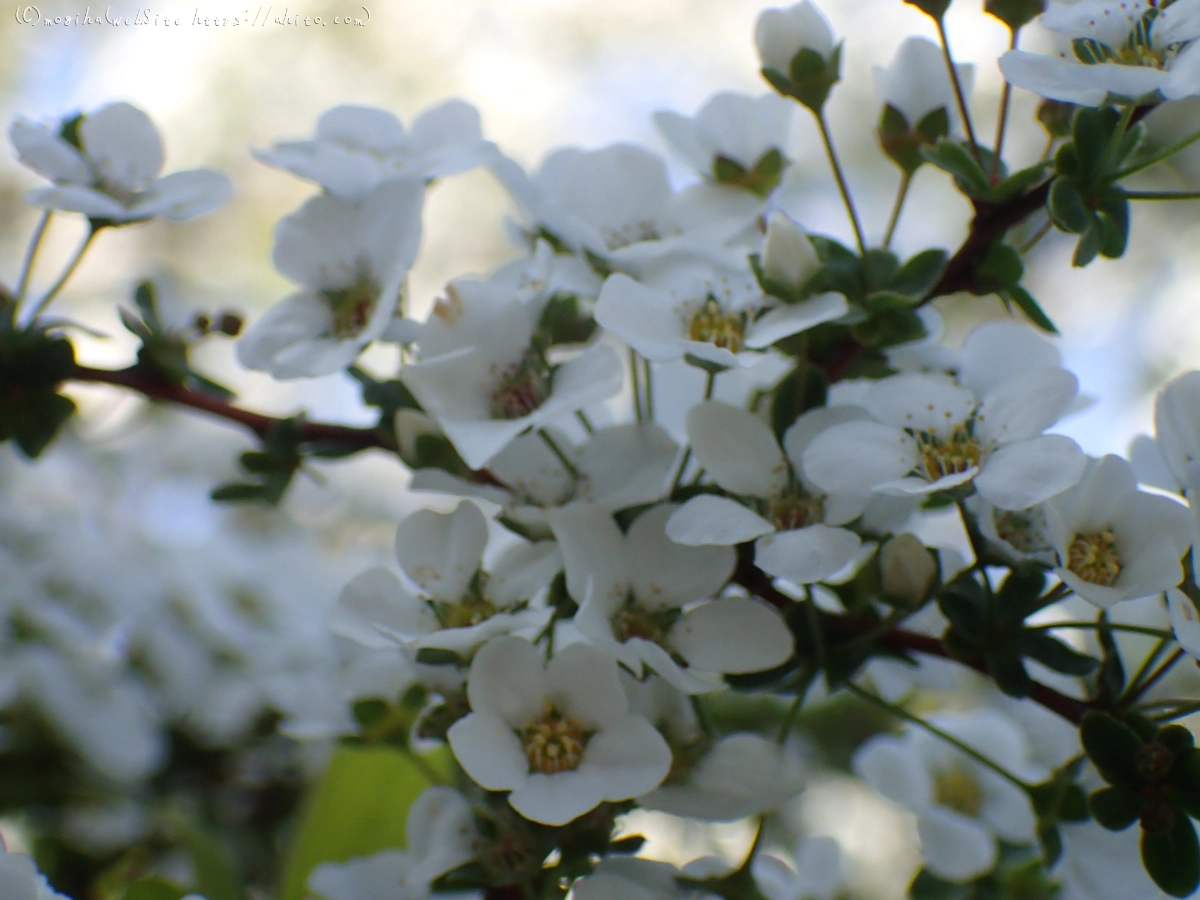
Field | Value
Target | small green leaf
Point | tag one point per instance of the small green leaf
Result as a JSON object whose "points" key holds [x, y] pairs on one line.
{"points": [[1066, 207], [927, 886], [1172, 857], [1091, 131], [1115, 808], [955, 158], [1016, 14], [34, 425], [565, 321], [436, 656], [1001, 268], [1055, 116], [920, 273], [1024, 301], [1113, 215], [1111, 745], [153, 888], [1016, 184], [215, 876], [1051, 840], [1008, 671], [237, 492], [1054, 654], [1088, 246], [813, 76]]}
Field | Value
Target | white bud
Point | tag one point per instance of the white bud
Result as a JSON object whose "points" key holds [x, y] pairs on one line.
{"points": [[782, 33], [916, 83], [788, 255], [907, 569]]}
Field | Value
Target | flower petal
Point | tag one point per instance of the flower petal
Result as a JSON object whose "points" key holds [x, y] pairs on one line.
{"points": [[507, 680], [708, 519], [557, 799], [1024, 474], [737, 449], [441, 552], [732, 635], [489, 751], [806, 555], [644, 317], [593, 550], [584, 684], [955, 847], [664, 573], [628, 756], [123, 145], [856, 456], [792, 318], [375, 605], [1026, 405]]}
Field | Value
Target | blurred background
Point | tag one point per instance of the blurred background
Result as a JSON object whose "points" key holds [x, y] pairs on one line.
{"points": [[544, 74]]}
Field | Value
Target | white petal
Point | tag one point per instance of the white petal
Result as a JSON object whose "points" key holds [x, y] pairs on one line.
{"points": [[892, 767], [45, 152], [807, 555], [1185, 621], [646, 318], [75, 198], [442, 551], [683, 137], [737, 449], [318, 245], [625, 465], [362, 127], [123, 144], [994, 352], [1075, 82], [375, 605], [489, 750], [708, 519], [1026, 405], [1030, 472], [593, 550], [584, 685], [559, 798], [522, 571], [788, 255], [955, 848], [185, 195], [856, 456], [440, 832], [628, 756], [920, 402], [732, 635], [301, 317], [507, 680], [664, 573], [792, 318]]}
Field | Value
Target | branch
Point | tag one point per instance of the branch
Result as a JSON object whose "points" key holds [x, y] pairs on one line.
{"points": [[760, 583]]}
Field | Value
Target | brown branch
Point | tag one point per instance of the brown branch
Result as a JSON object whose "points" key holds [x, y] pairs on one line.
{"points": [[760, 584]]}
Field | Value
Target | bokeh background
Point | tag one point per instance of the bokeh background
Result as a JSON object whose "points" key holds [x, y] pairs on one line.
{"points": [[544, 74]]}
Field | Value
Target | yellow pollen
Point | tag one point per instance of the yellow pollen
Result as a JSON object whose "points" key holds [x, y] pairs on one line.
{"points": [[1093, 557], [351, 307], [957, 790], [553, 742], [941, 457], [713, 325]]}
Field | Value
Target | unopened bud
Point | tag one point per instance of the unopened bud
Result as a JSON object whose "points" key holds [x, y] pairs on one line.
{"points": [[230, 323], [788, 255], [907, 570], [202, 323]]}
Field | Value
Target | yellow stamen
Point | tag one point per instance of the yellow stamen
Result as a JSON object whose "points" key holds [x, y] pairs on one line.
{"points": [[711, 324], [957, 790], [1093, 557], [553, 742]]}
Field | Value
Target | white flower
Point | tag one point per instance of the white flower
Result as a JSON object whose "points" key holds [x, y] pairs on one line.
{"points": [[485, 382], [559, 736], [617, 203], [1021, 534], [639, 596], [105, 164], [736, 776], [782, 33], [916, 83], [1128, 48], [715, 314], [795, 523], [356, 148], [634, 878], [815, 873], [734, 127], [932, 435], [350, 259], [457, 606], [788, 256], [441, 837], [962, 807], [619, 466], [1113, 541], [21, 880]]}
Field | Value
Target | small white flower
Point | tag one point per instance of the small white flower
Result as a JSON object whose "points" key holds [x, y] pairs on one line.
{"points": [[916, 83], [350, 259], [931, 435], [962, 807], [734, 127], [815, 872], [640, 593], [105, 164], [1021, 534], [457, 605], [1127, 48], [21, 880], [1113, 541], [794, 522], [715, 314], [484, 381], [441, 837], [356, 148], [780, 34], [559, 736]]}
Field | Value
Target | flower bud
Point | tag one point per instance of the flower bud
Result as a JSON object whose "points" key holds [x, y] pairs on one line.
{"points": [[788, 255], [230, 323], [782, 33], [907, 569]]}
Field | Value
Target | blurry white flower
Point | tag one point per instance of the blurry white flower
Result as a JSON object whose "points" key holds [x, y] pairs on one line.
{"points": [[20, 879], [105, 164], [634, 878], [916, 83], [1177, 427], [795, 522], [350, 259], [484, 380], [441, 837], [640, 593], [1185, 621], [1098, 864], [788, 256], [1127, 48], [356, 148], [782, 33], [457, 605], [1113, 541], [962, 807], [814, 873], [559, 736]]}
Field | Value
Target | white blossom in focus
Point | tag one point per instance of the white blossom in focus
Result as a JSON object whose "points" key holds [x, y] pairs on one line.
{"points": [[558, 736], [356, 148], [105, 164], [350, 259]]}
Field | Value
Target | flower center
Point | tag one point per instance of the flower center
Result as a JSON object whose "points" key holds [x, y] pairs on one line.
{"points": [[351, 307], [1093, 557], [468, 612], [634, 621], [1019, 530], [553, 742], [957, 790], [948, 456], [712, 325], [522, 387], [795, 510]]}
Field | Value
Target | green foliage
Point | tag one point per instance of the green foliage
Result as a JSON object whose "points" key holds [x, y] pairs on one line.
{"points": [[564, 320], [272, 467], [902, 141], [810, 77], [801, 389], [33, 363], [1016, 14], [153, 888], [935, 9], [761, 178]]}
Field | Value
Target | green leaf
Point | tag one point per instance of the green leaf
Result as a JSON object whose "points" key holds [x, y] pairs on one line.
{"points": [[34, 425], [1112, 672], [1054, 654], [1016, 184], [800, 390], [880, 267], [813, 76], [1024, 301], [1113, 215], [436, 656], [153, 888], [1055, 116], [358, 809], [1112, 746], [237, 492], [1091, 131], [934, 125], [1088, 246], [955, 158], [145, 298], [565, 321], [935, 9], [1067, 208], [1008, 671], [1172, 857], [214, 873], [1015, 14], [1001, 268], [899, 141], [1115, 808], [920, 273], [1020, 594], [927, 886]]}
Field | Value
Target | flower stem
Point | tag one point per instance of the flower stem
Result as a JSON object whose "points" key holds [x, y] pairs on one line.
{"points": [[958, 91], [66, 274], [901, 713], [558, 451], [649, 388], [1002, 124], [1161, 195], [585, 421], [709, 384], [840, 177], [789, 720], [31, 252], [1140, 690], [1088, 626], [1036, 239], [637, 392], [1169, 150], [901, 196]]}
